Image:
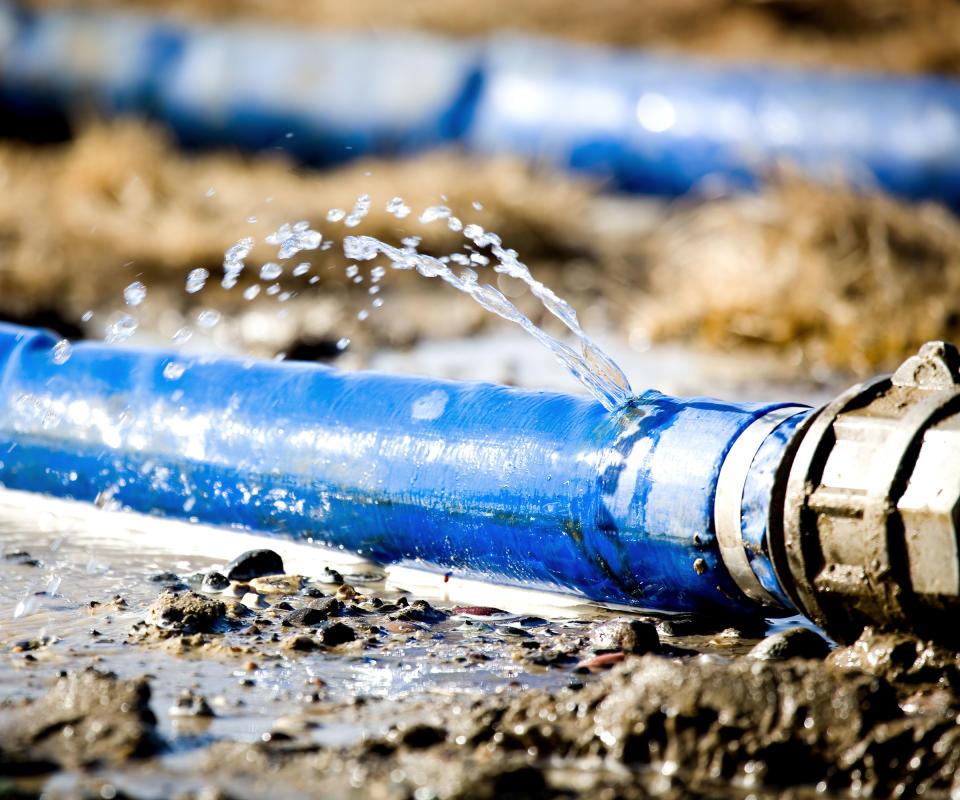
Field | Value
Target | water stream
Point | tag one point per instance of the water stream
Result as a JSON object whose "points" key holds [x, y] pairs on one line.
{"points": [[592, 368]]}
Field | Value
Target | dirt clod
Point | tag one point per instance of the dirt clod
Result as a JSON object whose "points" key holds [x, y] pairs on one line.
{"points": [[87, 718]]}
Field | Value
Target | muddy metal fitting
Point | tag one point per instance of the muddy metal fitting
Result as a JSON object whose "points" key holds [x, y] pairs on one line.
{"points": [[870, 492]]}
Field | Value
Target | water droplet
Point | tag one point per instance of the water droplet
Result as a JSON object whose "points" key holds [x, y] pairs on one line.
{"points": [[61, 352], [376, 273], [433, 213], [87, 316], [173, 371], [315, 279], [336, 214], [273, 288], [377, 302], [182, 336], [251, 291], [284, 296], [251, 220], [196, 280], [270, 271], [288, 135], [358, 279], [208, 318], [211, 192], [411, 241], [343, 344], [362, 314], [120, 330], [478, 205], [398, 208], [352, 270], [301, 269], [454, 224], [480, 260], [373, 290], [239, 251], [135, 293]]}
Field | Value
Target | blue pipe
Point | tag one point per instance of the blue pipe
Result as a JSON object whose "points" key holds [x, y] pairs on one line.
{"points": [[643, 122], [524, 488]]}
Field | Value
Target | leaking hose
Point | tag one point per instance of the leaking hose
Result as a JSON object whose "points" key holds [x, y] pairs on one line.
{"points": [[847, 513], [641, 121]]}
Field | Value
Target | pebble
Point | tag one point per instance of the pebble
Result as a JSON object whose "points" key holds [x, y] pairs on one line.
{"points": [[478, 611], [307, 616], [254, 564], [796, 642], [277, 584], [601, 661], [626, 635], [299, 643], [345, 592], [254, 601], [337, 633], [21, 557], [214, 581], [190, 704]]}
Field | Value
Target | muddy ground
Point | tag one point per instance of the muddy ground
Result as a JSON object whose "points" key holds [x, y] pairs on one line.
{"points": [[191, 684]]}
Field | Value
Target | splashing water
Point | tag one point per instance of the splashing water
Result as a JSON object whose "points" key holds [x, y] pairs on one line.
{"points": [[596, 371], [593, 368]]}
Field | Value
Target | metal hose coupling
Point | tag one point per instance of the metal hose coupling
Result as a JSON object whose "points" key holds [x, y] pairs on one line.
{"points": [[863, 526]]}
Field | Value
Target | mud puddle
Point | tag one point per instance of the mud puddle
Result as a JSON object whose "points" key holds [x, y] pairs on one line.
{"points": [[134, 667]]}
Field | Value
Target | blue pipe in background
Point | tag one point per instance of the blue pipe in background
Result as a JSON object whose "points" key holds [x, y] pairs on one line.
{"points": [[524, 488], [643, 122]]}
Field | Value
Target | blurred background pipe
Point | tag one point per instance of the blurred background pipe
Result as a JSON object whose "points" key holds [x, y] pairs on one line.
{"points": [[642, 122]]}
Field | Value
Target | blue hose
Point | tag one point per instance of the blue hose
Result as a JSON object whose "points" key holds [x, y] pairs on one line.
{"points": [[524, 488], [642, 122]]}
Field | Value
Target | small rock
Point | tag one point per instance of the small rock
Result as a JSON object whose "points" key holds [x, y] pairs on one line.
{"points": [[626, 635], [337, 633], [796, 642], [396, 626], [277, 584], [190, 704], [214, 582], [421, 611], [601, 661], [169, 580], [330, 606], [478, 611], [423, 735], [254, 564], [306, 616], [299, 643], [254, 601], [21, 557], [345, 592], [333, 576], [313, 591]]}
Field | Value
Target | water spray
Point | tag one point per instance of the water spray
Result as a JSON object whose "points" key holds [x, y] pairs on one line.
{"points": [[847, 514]]}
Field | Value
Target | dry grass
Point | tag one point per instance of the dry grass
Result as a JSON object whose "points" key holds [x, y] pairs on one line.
{"points": [[819, 273], [840, 278]]}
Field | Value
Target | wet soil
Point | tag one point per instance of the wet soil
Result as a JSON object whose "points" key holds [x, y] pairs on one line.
{"points": [[130, 675]]}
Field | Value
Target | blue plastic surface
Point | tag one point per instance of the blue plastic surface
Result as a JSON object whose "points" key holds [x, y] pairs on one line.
{"points": [[643, 122], [525, 488]]}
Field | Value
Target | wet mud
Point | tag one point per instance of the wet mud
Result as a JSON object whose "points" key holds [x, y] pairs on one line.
{"points": [[188, 684]]}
